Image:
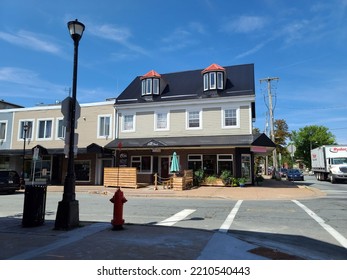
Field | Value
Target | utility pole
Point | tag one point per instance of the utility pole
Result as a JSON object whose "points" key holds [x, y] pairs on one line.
{"points": [[271, 114]]}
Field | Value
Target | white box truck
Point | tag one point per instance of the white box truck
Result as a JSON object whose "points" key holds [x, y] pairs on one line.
{"points": [[329, 163]]}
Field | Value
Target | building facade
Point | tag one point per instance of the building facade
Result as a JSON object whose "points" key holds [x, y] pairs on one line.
{"points": [[206, 116], [33, 141]]}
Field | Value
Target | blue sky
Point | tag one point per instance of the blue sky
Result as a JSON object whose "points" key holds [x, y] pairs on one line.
{"points": [[303, 43]]}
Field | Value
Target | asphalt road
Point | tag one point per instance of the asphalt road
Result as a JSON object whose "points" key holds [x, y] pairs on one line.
{"points": [[313, 225]]}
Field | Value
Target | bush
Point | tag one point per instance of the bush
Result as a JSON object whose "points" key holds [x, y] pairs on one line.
{"points": [[226, 177], [198, 177]]}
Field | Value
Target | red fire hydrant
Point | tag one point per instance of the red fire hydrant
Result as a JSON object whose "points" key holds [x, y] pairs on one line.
{"points": [[118, 200]]}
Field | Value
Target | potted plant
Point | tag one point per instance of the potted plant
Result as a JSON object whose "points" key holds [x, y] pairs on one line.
{"points": [[198, 177], [226, 177], [234, 182], [242, 182]]}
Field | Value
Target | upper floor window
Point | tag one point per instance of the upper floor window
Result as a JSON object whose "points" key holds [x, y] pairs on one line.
{"points": [[213, 80], [230, 118], [161, 120], [150, 83], [213, 77], [44, 129], [26, 129], [104, 126], [61, 129], [150, 86], [194, 119], [128, 123], [3, 125]]}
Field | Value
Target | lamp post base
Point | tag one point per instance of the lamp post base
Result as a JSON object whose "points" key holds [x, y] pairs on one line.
{"points": [[67, 215]]}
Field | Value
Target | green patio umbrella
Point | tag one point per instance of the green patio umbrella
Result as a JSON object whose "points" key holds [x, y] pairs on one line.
{"points": [[174, 164]]}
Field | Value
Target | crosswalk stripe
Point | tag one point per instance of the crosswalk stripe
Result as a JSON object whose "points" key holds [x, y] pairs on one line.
{"points": [[229, 220], [176, 218], [334, 233]]}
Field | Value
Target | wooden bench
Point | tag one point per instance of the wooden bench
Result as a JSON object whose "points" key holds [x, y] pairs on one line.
{"points": [[120, 177]]}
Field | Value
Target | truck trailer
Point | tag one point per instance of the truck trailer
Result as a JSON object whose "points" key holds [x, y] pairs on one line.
{"points": [[329, 163]]}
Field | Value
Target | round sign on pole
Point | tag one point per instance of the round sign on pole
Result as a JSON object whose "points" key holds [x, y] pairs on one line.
{"points": [[291, 149]]}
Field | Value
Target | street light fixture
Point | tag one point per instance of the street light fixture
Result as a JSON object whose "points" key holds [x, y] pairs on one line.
{"points": [[68, 212]]}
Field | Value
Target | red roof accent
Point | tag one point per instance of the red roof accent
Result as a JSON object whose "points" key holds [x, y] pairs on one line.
{"points": [[213, 67], [151, 74]]}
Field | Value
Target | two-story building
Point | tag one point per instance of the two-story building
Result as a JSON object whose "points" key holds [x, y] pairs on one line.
{"points": [[206, 116], [42, 127]]}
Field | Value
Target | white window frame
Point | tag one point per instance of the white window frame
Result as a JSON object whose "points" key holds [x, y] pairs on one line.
{"points": [[3, 129], [220, 80], [156, 121], [156, 84], [132, 129], [206, 83], [104, 135], [45, 127], [58, 128], [30, 132], [188, 119], [237, 113], [227, 157], [213, 81]]}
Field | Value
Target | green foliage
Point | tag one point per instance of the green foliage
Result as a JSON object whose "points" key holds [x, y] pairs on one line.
{"points": [[310, 137], [226, 177], [242, 181], [198, 177], [211, 179]]}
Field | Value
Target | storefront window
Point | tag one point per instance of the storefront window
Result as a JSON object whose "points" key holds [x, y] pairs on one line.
{"points": [[246, 167], [142, 163], [225, 162]]}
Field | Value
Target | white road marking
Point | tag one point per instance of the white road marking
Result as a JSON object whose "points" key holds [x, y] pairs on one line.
{"points": [[176, 218], [229, 220], [334, 233]]}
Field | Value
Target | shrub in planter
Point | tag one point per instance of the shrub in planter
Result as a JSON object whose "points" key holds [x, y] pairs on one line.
{"points": [[242, 182], [198, 177], [226, 177]]}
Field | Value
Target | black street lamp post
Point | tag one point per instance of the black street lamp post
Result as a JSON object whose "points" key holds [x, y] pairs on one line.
{"points": [[68, 212], [25, 130]]}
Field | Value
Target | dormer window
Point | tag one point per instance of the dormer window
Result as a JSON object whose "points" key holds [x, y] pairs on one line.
{"points": [[213, 77], [150, 83]]}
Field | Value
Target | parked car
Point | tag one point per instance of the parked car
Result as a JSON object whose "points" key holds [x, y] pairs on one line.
{"points": [[294, 175], [283, 172], [9, 181]]}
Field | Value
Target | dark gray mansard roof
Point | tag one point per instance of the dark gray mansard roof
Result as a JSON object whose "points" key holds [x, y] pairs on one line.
{"points": [[189, 85]]}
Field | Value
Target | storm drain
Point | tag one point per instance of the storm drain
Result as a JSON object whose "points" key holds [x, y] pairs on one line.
{"points": [[273, 254]]}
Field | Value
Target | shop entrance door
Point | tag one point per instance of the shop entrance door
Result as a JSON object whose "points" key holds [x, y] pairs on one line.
{"points": [[246, 167]]}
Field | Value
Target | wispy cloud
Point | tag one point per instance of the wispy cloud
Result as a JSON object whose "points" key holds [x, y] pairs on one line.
{"points": [[31, 41], [244, 24], [25, 81], [117, 34], [183, 37]]}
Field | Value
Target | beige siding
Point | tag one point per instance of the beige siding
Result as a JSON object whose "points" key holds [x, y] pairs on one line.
{"points": [[87, 125], [211, 124]]}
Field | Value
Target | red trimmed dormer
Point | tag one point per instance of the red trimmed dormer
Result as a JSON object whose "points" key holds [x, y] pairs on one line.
{"points": [[214, 77], [150, 84]]}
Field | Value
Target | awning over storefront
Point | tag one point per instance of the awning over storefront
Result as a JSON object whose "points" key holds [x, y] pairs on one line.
{"points": [[256, 140]]}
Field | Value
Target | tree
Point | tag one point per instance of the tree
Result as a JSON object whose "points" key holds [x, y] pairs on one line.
{"points": [[281, 134], [308, 138]]}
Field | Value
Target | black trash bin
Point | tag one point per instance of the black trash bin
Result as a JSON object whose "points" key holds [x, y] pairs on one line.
{"points": [[34, 205]]}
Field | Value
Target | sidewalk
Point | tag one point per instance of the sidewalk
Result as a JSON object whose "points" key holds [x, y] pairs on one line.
{"points": [[270, 190], [98, 241]]}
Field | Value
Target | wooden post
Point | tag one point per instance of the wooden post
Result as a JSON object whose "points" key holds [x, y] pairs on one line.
{"points": [[155, 181]]}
